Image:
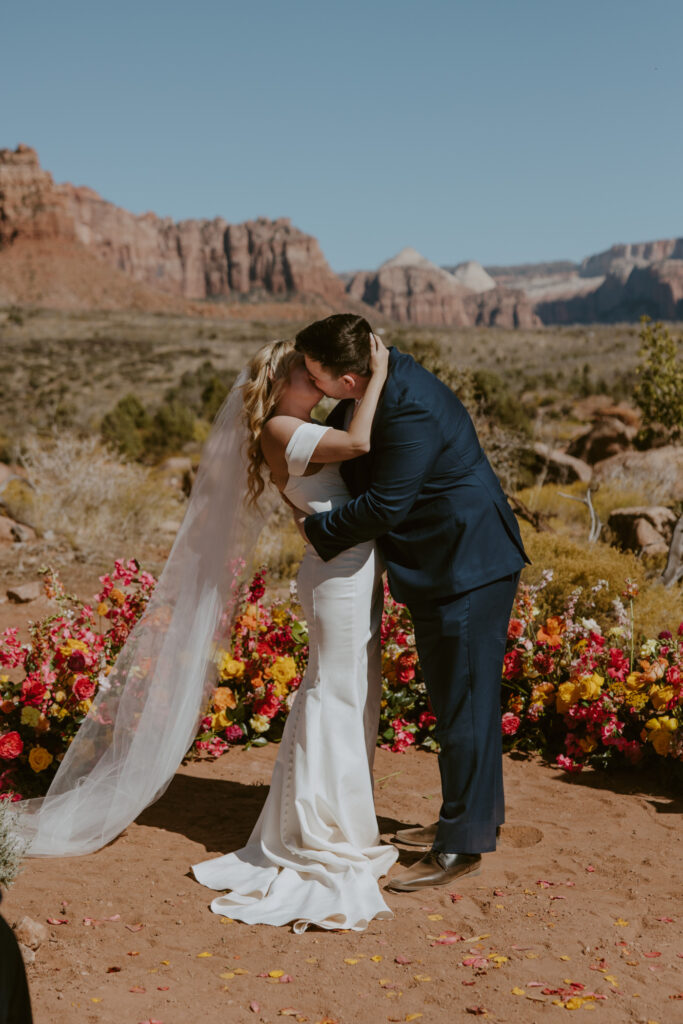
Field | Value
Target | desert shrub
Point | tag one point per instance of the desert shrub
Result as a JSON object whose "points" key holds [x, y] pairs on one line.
{"points": [[11, 848], [172, 426], [570, 516], [659, 391], [125, 427], [495, 400], [88, 495], [576, 564]]}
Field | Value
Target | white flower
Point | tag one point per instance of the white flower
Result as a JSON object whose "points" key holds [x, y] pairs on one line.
{"points": [[591, 625], [648, 649], [259, 723]]}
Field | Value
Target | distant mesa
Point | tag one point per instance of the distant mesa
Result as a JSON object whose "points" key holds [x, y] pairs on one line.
{"points": [[410, 289], [190, 260], [67, 247]]}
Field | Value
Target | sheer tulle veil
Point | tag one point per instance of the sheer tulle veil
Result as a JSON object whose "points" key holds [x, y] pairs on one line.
{"points": [[147, 710]]}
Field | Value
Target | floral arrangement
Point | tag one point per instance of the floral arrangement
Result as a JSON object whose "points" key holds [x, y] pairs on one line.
{"points": [[59, 669], [586, 697], [258, 677], [577, 695]]}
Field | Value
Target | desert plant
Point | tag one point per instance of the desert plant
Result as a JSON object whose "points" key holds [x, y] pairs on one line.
{"points": [[125, 426], [12, 848], [659, 391], [85, 493]]}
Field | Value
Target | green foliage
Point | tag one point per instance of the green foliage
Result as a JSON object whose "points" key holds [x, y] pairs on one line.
{"points": [[146, 435], [497, 401], [659, 391], [125, 427]]}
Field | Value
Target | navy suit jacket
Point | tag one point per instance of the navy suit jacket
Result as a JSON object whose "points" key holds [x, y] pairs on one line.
{"points": [[425, 491]]}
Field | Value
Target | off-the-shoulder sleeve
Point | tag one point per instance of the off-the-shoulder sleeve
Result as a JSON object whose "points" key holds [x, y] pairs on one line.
{"points": [[302, 444]]}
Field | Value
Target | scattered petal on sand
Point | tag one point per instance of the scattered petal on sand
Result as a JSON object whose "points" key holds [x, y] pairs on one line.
{"points": [[402, 960], [57, 920], [254, 1006], [135, 927], [137, 989], [518, 991], [455, 896], [621, 923], [199, 955]]}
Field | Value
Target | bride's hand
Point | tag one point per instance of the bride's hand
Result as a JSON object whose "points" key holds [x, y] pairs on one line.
{"points": [[379, 357]]}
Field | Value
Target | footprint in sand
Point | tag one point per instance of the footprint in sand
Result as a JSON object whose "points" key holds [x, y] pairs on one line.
{"points": [[519, 836]]}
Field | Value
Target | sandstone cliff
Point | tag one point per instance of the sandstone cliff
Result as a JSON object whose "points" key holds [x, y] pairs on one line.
{"points": [[193, 259], [410, 289]]}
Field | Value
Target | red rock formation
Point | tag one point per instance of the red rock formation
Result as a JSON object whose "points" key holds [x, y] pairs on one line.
{"points": [[411, 289], [195, 259]]}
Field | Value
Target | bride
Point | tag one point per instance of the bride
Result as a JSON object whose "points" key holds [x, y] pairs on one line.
{"points": [[314, 856]]}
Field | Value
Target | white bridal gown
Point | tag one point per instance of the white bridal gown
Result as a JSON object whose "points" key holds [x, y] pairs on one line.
{"points": [[314, 856]]}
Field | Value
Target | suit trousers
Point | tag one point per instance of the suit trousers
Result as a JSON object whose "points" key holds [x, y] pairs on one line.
{"points": [[461, 643]]}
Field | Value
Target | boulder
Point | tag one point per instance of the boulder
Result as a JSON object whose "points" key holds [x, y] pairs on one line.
{"points": [[674, 563], [31, 933], [11, 532], [25, 592], [561, 467], [644, 529], [659, 471], [608, 436]]}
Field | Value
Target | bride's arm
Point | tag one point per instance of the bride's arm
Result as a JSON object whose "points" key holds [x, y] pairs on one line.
{"points": [[338, 445]]}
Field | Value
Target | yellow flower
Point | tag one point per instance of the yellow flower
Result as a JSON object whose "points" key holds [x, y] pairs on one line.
{"points": [[567, 694], [229, 667], [60, 696], [84, 706], [543, 693], [39, 759], [223, 698], [590, 686], [668, 723], [71, 645], [634, 681], [117, 596], [259, 723], [221, 720], [30, 716], [102, 608], [661, 741], [283, 669], [660, 696], [653, 724], [588, 744], [280, 616]]}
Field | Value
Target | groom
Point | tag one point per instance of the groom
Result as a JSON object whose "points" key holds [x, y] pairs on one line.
{"points": [[453, 551]]}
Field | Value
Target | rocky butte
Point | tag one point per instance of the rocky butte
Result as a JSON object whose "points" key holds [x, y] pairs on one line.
{"points": [[192, 259], [410, 289]]}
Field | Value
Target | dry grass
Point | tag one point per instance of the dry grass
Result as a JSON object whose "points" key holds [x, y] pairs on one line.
{"points": [[96, 502], [578, 564]]}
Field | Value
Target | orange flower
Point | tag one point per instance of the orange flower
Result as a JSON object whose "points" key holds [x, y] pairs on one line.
{"points": [[223, 698], [551, 633]]}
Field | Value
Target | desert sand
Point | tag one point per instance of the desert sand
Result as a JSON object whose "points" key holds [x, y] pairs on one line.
{"points": [[584, 896]]}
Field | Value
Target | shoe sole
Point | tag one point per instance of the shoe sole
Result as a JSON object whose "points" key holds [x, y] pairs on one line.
{"points": [[429, 885]]}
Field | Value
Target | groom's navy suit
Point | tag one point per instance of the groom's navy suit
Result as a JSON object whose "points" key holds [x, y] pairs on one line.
{"points": [[453, 552]]}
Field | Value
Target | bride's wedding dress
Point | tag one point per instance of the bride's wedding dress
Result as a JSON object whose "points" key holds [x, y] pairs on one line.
{"points": [[314, 856]]}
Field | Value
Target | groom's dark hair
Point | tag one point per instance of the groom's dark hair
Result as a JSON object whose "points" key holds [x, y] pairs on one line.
{"points": [[340, 342]]}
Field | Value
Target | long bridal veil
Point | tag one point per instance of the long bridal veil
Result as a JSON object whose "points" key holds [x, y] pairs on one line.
{"points": [[147, 710]]}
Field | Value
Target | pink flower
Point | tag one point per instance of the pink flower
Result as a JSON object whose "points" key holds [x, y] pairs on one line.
{"points": [[217, 746], [510, 724], [567, 763], [515, 628], [233, 734], [83, 688], [402, 736], [426, 719], [11, 745]]}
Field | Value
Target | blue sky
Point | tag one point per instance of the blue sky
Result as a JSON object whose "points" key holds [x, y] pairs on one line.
{"points": [[495, 130]]}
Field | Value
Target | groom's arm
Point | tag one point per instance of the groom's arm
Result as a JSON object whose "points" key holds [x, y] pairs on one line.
{"points": [[405, 450]]}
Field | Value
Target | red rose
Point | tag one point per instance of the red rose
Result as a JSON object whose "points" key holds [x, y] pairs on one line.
{"points": [[77, 661], [11, 745], [426, 719], [510, 724], [83, 688], [512, 664], [405, 667], [33, 691], [269, 706]]}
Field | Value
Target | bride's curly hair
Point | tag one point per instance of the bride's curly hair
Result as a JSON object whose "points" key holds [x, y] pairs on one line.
{"points": [[268, 374]]}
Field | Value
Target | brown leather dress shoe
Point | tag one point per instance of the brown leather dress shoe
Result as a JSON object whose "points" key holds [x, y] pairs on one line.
{"points": [[435, 869], [422, 837]]}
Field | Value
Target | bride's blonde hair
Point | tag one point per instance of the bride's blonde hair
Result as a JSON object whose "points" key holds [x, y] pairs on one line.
{"points": [[268, 374]]}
